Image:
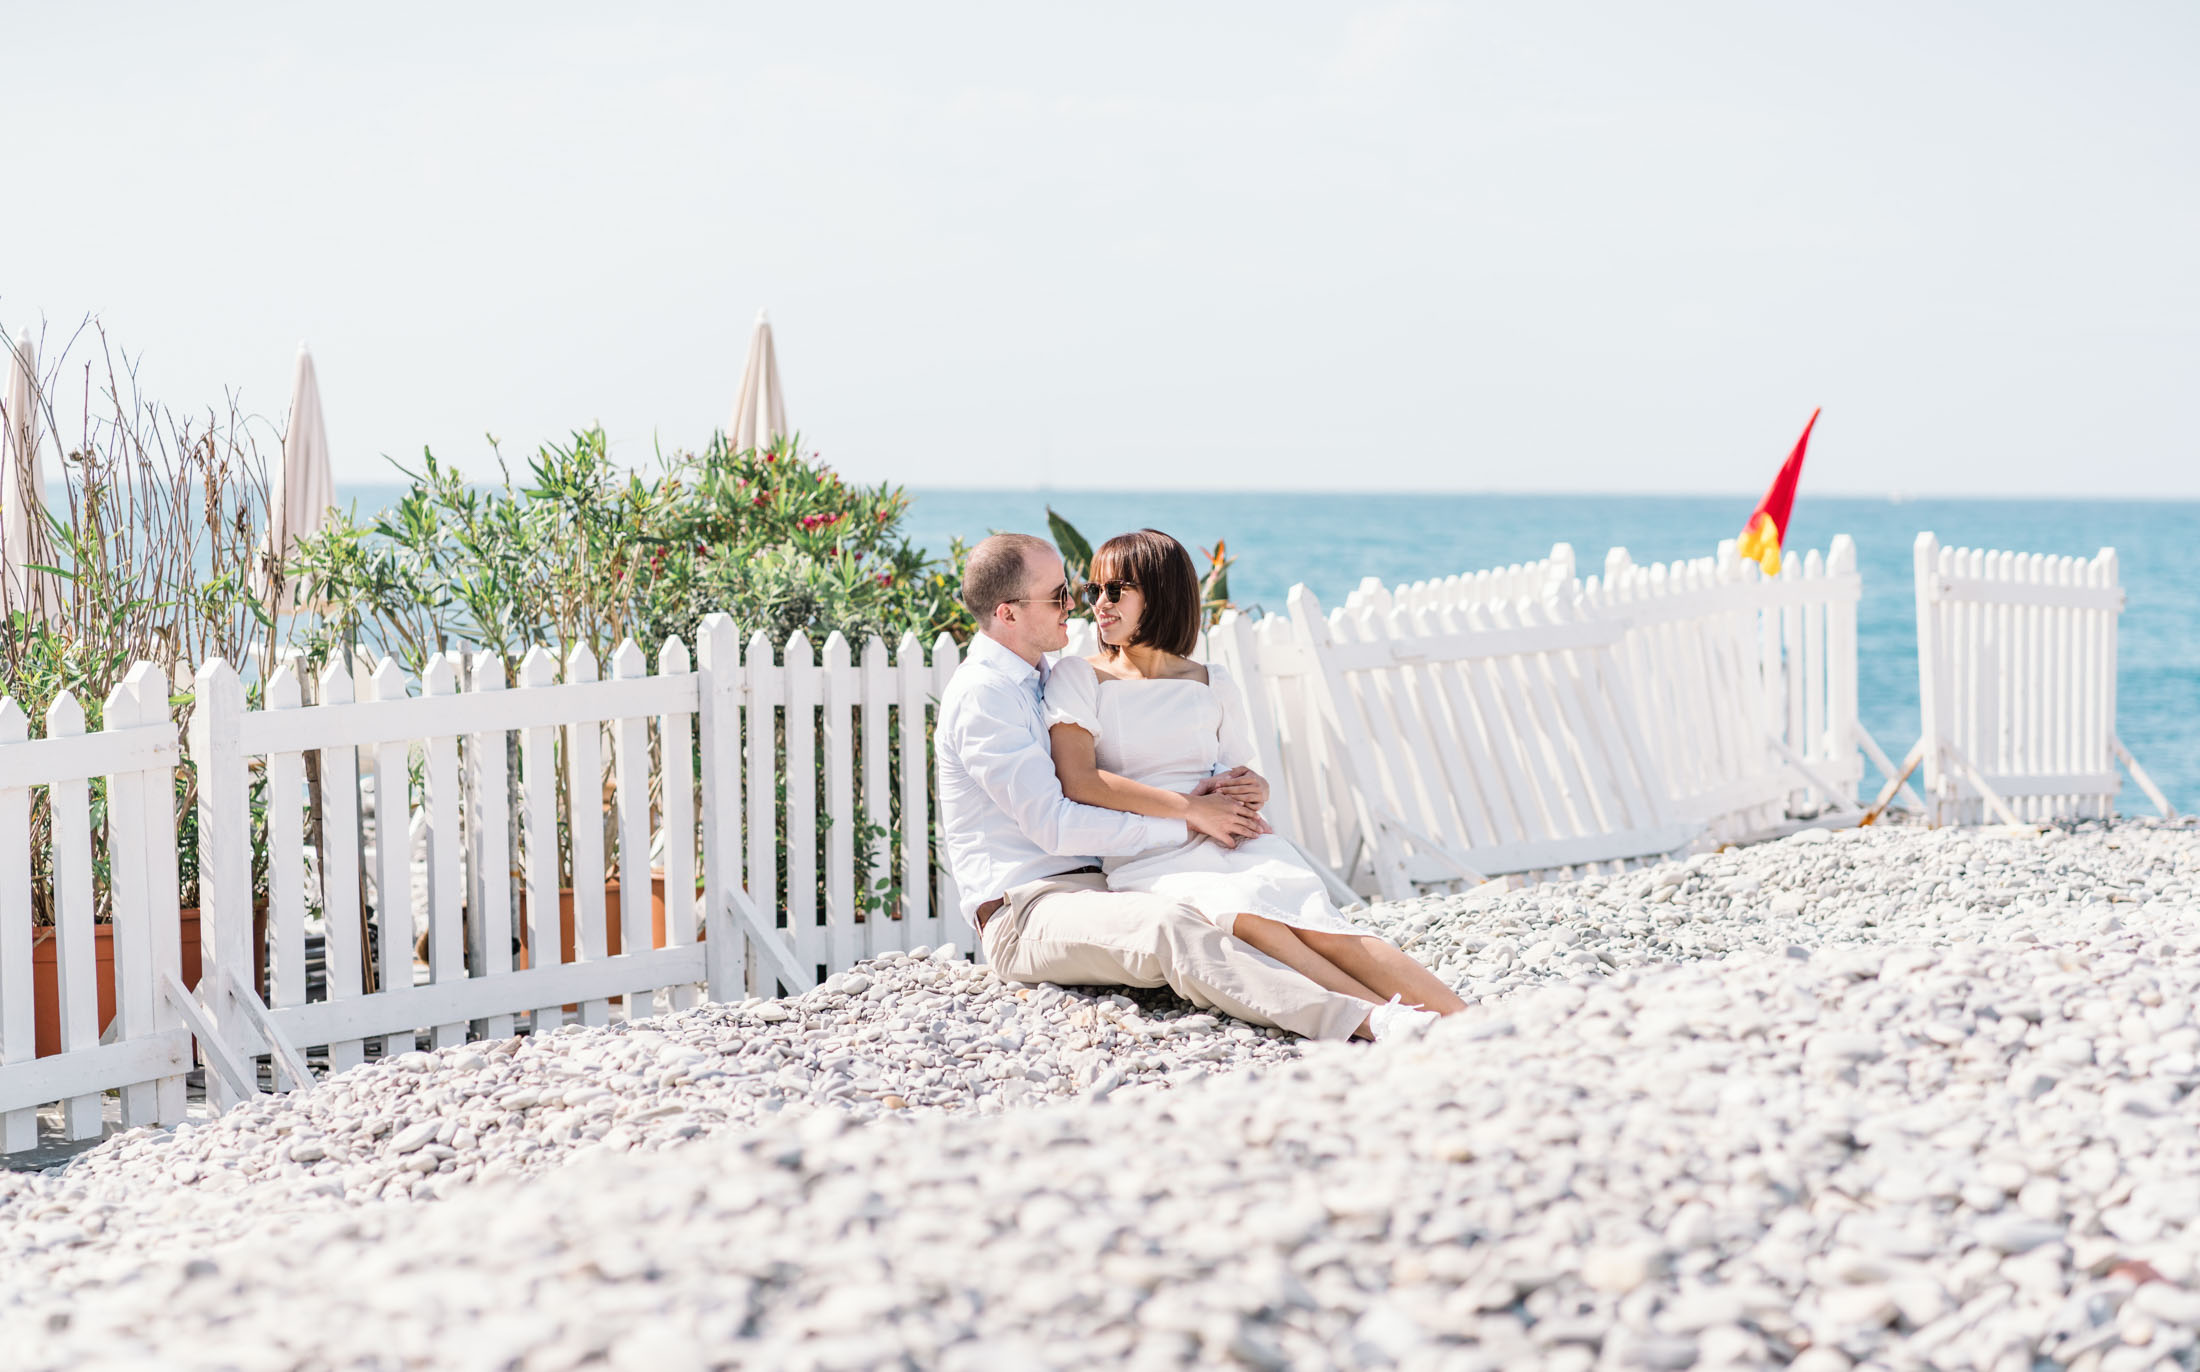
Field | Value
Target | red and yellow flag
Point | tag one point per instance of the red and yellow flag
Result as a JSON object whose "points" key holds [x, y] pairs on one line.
{"points": [[1760, 540]]}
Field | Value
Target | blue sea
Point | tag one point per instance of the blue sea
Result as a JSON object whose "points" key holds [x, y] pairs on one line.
{"points": [[1329, 541]]}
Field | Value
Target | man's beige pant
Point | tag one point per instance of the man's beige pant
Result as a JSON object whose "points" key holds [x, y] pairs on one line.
{"points": [[1073, 931]]}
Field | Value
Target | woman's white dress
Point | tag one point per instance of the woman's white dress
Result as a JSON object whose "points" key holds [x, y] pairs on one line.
{"points": [[1174, 734]]}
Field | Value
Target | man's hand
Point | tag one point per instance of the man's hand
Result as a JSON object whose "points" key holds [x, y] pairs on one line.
{"points": [[1225, 819], [1240, 783]]}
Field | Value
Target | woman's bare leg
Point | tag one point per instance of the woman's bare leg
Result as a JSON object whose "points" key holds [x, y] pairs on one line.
{"points": [[1371, 962], [1281, 942]]}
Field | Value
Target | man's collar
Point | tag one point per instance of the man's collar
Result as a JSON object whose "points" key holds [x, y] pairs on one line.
{"points": [[993, 655]]}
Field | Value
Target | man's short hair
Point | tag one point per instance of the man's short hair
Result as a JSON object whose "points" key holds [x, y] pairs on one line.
{"points": [[996, 571]]}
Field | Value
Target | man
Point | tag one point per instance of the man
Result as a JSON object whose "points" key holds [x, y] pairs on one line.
{"points": [[1026, 858]]}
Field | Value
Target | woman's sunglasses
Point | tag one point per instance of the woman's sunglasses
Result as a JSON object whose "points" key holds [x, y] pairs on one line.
{"points": [[1111, 591]]}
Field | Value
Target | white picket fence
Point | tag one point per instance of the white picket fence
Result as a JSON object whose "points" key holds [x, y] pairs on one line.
{"points": [[134, 753], [1518, 720], [687, 765], [2017, 685]]}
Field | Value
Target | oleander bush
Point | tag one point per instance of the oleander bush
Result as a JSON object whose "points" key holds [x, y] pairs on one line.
{"points": [[580, 551]]}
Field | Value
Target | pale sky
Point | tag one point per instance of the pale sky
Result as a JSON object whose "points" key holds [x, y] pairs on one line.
{"points": [[1549, 246]]}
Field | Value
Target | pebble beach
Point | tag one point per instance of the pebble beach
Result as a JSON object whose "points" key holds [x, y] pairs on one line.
{"points": [[1887, 1097]]}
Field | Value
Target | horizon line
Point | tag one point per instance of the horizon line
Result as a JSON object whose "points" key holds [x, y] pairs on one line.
{"points": [[1891, 497]]}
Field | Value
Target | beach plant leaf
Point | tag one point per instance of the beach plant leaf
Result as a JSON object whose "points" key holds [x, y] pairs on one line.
{"points": [[1076, 552]]}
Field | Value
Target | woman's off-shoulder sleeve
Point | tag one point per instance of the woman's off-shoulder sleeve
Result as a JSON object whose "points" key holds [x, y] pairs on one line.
{"points": [[1236, 733], [1073, 695]]}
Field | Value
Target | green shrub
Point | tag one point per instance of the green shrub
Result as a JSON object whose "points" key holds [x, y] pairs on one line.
{"points": [[580, 551]]}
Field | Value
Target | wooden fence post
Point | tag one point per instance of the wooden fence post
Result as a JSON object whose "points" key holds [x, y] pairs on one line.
{"points": [[134, 911], [151, 686], [718, 714]]}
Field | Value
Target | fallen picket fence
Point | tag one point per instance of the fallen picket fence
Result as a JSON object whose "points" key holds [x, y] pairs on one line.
{"points": [[1745, 684], [1724, 708], [1463, 742], [2017, 685]]}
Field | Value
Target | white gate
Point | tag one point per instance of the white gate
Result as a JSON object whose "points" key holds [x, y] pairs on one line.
{"points": [[2016, 663]]}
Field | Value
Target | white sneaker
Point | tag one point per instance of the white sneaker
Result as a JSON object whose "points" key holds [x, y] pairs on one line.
{"points": [[1398, 1020]]}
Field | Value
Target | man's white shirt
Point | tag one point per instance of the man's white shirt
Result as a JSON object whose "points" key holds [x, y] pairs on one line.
{"points": [[1002, 810]]}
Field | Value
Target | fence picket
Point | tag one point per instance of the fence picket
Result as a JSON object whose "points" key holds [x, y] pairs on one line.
{"points": [[842, 696], [286, 845], [489, 927], [916, 821], [225, 858], [69, 805], [945, 912], [584, 800], [718, 699], [877, 694], [766, 683], [394, 925], [630, 765], [343, 915], [676, 799], [445, 810], [130, 902], [800, 720], [2100, 659], [539, 834], [161, 881]]}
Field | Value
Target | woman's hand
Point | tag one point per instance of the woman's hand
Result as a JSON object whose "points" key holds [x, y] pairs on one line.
{"points": [[1239, 783], [1225, 819]]}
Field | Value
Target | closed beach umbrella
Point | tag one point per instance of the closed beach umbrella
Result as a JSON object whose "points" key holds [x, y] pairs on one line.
{"points": [[22, 488], [761, 413], [303, 490]]}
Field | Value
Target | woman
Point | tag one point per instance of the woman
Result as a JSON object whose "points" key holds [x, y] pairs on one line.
{"points": [[1139, 720]]}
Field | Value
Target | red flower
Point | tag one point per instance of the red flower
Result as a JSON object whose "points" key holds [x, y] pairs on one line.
{"points": [[885, 578], [763, 498]]}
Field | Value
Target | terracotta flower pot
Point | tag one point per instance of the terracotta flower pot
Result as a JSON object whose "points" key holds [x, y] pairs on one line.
{"points": [[46, 971], [614, 941]]}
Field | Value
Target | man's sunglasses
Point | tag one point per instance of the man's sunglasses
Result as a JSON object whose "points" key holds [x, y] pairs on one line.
{"points": [[1110, 591], [1063, 598]]}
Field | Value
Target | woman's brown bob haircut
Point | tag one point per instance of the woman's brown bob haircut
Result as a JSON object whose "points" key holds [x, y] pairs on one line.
{"points": [[1165, 577]]}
